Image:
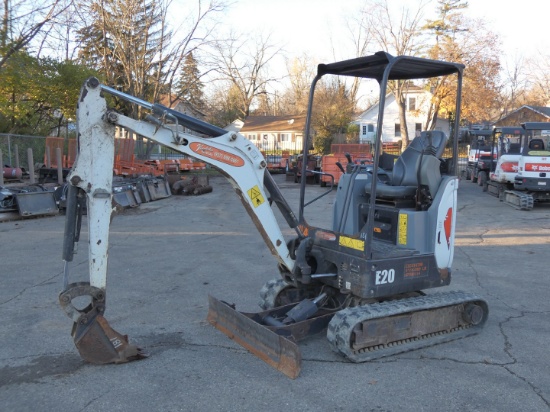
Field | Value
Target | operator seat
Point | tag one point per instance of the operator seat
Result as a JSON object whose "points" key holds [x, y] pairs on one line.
{"points": [[514, 148], [536, 144], [407, 169]]}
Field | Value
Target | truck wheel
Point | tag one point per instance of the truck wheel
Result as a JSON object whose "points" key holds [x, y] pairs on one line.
{"points": [[473, 177]]}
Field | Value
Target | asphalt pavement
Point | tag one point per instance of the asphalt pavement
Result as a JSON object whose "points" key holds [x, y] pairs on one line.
{"points": [[165, 257]]}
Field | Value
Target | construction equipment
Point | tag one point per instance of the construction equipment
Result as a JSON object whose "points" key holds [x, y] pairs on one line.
{"points": [[362, 278], [532, 181], [23, 201], [480, 149], [502, 165]]}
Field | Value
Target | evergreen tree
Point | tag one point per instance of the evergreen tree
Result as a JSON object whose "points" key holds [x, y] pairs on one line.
{"points": [[190, 87], [125, 41]]}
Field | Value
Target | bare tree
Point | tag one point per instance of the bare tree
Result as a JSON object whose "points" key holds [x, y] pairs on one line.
{"points": [[294, 99], [23, 21], [514, 87], [362, 39], [189, 38], [399, 35], [245, 65], [132, 43], [538, 88]]}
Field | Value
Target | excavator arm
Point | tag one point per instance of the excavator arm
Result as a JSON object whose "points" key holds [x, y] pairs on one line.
{"points": [[90, 187]]}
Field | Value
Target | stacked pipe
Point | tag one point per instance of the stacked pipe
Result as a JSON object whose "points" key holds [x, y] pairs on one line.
{"points": [[196, 185]]}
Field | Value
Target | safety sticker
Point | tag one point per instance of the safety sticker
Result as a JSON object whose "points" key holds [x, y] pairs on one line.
{"points": [[402, 229], [352, 243], [256, 196]]}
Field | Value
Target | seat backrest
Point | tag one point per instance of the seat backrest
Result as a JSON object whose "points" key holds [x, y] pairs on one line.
{"points": [[536, 144], [514, 148], [430, 174], [405, 170]]}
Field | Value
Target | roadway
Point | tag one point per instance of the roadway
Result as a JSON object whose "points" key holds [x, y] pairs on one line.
{"points": [[167, 256]]}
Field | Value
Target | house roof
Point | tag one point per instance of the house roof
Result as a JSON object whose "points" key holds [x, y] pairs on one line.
{"points": [[541, 110], [545, 111], [288, 123]]}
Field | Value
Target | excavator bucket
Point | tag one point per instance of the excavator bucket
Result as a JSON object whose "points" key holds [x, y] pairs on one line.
{"points": [[94, 338], [98, 343], [277, 349]]}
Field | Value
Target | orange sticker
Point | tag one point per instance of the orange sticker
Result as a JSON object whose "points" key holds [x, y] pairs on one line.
{"points": [[319, 234], [216, 154], [509, 166], [415, 270]]}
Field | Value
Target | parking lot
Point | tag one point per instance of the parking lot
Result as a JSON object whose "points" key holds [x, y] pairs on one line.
{"points": [[167, 256]]}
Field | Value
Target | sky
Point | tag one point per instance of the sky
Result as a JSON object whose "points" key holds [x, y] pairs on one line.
{"points": [[311, 25]]}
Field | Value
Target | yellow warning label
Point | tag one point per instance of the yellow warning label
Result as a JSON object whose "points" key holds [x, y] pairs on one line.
{"points": [[356, 244], [402, 229], [256, 196]]}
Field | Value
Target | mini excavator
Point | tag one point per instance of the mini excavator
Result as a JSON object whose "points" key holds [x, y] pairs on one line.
{"points": [[363, 278]]}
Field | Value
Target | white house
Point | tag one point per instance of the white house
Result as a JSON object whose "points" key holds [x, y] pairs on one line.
{"points": [[275, 132], [417, 102]]}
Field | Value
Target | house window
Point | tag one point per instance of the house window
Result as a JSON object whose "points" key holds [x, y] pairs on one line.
{"points": [[251, 137], [397, 130], [412, 103], [364, 130], [370, 128], [284, 137]]}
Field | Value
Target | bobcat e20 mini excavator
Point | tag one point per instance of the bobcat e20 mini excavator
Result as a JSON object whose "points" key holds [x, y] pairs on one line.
{"points": [[361, 279]]}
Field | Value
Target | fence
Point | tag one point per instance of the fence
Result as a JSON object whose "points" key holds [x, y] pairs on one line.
{"points": [[14, 150]]}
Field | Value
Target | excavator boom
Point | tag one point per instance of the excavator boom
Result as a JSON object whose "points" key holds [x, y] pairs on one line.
{"points": [[90, 188]]}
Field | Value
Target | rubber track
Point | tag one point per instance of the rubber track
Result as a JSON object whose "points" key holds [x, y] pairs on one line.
{"points": [[269, 292], [519, 200], [342, 324]]}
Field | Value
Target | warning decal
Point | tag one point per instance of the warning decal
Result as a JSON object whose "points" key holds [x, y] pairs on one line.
{"points": [[402, 229], [415, 269], [256, 196], [356, 244]]}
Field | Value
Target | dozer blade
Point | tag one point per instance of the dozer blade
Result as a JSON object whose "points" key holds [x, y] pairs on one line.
{"points": [[275, 349], [98, 343]]}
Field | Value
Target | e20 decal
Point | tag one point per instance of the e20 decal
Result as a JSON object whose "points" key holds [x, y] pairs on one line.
{"points": [[383, 277]]}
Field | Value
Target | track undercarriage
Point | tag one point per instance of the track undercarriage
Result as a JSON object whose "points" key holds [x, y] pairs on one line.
{"points": [[359, 329], [519, 200]]}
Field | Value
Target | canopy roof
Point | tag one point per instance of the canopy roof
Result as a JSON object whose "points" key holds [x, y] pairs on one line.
{"points": [[404, 67]]}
